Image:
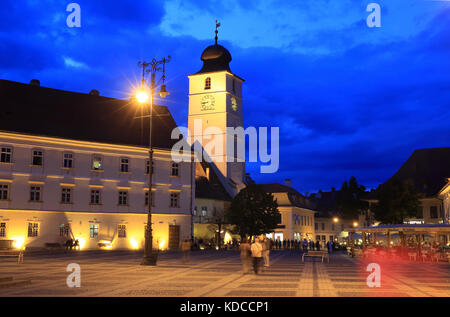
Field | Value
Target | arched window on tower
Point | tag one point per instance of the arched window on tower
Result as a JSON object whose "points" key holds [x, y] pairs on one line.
{"points": [[208, 83]]}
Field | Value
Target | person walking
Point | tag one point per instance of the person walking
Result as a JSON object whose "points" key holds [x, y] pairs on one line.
{"points": [[305, 245], [266, 252], [245, 255], [186, 248], [318, 245], [256, 249]]}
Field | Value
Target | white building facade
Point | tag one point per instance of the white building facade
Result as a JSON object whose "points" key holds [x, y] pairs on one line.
{"points": [[53, 189]]}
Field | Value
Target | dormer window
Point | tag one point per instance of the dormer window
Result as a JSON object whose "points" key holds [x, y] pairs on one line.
{"points": [[208, 83]]}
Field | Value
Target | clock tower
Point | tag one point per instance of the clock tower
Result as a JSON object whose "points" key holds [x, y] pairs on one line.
{"points": [[215, 103]]}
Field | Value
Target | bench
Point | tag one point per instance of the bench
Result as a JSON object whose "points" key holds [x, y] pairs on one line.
{"points": [[318, 254]]}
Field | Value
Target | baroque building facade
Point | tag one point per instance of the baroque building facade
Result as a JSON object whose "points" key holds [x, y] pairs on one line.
{"points": [[73, 166]]}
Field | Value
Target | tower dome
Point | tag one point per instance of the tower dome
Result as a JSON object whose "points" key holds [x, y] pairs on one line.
{"points": [[215, 58]]}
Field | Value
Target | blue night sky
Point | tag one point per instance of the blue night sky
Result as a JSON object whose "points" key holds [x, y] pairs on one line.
{"points": [[349, 99]]}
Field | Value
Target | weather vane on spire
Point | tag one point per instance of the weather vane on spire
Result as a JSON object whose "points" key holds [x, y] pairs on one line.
{"points": [[217, 26]]}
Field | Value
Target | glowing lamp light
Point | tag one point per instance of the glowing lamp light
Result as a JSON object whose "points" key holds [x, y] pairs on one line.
{"points": [[227, 238], [161, 244], [355, 224], [142, 96], [134, 244], [335, 219], [81, 242], [18, 242]]}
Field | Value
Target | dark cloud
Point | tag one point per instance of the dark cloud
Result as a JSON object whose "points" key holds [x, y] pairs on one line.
{"points": [[360, 108]]}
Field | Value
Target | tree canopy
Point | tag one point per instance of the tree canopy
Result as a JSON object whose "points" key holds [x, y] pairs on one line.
{"points": [[253, 211], [349, 202], [397, 200]]}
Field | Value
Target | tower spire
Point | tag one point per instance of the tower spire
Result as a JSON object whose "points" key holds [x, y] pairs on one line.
{"points": [[217, 26]]}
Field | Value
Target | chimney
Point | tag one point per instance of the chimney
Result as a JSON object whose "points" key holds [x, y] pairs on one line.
{"points": [[35, 82], [288, 182]]}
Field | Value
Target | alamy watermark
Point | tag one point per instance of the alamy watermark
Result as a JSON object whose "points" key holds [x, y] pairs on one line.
{"points": [[212, 144], [74, 278], [374, 278]]}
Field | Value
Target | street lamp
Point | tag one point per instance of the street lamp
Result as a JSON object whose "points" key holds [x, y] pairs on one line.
{"points": [[142, 97], [335, 219]]}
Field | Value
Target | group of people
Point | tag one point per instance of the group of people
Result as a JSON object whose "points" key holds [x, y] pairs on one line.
{"points": [[72, 244], [255, 253]]}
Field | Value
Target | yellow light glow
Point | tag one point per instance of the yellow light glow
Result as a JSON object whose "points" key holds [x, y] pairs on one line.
{"points": [[134, 243], [355, 224], [227, 238], [18, 242], [142, 96], [335, 219], [81, 242], [161, 244]]}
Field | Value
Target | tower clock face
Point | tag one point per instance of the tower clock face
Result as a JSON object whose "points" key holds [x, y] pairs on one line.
{"points": [[208, 102], [234, 104]]}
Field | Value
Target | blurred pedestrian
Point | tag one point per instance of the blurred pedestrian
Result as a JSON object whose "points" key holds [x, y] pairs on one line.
{"points": [[266, 252], [256, 249], [186, 248], [246, 254], [318, 245]]}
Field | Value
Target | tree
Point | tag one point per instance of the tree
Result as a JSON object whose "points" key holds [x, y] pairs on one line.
{"points": [[217, 224], [397, 200], [253, 212], [349, 202]]}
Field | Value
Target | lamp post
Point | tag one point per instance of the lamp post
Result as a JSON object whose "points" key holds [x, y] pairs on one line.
{"points": [[153, 67]]}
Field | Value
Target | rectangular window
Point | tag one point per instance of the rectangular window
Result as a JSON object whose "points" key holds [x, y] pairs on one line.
{"points": [[123, 198], [35, 193], [95, 197], [324, 238], [152, 199], [4, 191], [124, 165], [122, 231], [66, 195], [33, 229], [175, 200], [204, 211], [38, 158], [68, 160], [2, 229], [174, 169], [331, 238], [317, 238], [323, 226], [195, 211], [5, 156], [64, 230], [433, 212], [97, 163], [420, 212], [93, 231]]}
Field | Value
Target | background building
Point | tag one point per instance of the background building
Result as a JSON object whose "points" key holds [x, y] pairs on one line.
{"points": [[297, 214]]}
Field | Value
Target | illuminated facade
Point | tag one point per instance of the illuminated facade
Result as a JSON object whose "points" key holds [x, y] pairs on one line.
{"points": [[53, 188], [297, 214]]}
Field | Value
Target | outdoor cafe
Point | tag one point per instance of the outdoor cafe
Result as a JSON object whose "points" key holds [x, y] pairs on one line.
{"points": [[419, 242]]}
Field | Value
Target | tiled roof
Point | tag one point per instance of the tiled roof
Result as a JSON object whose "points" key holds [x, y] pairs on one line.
{"points": [[50, 112]]}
